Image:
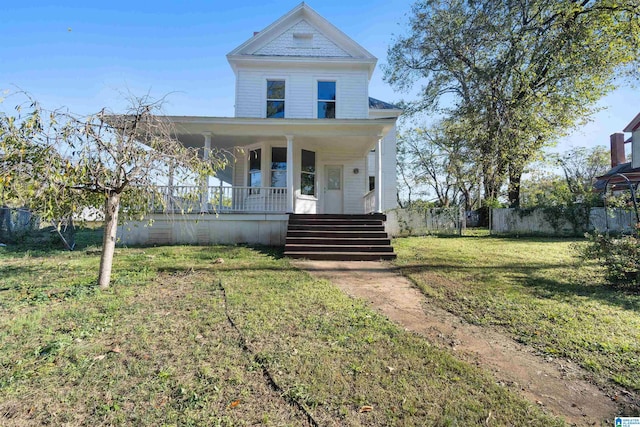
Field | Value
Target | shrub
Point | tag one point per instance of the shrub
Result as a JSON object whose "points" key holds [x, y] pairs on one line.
{"points": [[620, 255]]}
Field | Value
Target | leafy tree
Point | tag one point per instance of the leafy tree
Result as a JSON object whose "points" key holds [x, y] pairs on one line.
{"points": [[67, 162], [516, 75], [436, 158], [577, 170], [581, 166], [428, 164]]}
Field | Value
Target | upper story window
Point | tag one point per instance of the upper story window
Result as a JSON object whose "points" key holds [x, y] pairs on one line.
{"points": [[275, 99], [326, 100]]}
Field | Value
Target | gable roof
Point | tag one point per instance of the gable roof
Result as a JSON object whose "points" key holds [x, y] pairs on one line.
{"points": [[634, 125], [278, 41]]}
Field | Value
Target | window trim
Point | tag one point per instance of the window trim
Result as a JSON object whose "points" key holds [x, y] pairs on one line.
{"points": [[267, 79]]}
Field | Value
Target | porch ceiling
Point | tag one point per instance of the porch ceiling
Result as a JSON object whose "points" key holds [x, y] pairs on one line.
{"points": [[358, 135]]}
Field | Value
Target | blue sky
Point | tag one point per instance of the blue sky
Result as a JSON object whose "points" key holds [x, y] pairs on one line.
{"points": [[86, 55]]}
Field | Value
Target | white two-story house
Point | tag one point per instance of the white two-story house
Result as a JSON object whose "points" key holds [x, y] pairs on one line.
{"points": [[306, 139]]}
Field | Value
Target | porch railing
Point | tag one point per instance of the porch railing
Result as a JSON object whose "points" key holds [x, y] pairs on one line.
{"points": [[218, 199], [370, 202]]}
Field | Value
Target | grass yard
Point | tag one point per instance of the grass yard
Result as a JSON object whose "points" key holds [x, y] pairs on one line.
{"points": [[182, 340], [538, 291]]}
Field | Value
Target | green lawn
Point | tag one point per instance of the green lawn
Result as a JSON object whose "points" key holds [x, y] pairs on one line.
{"points": [[539, 292], [181, 340]]}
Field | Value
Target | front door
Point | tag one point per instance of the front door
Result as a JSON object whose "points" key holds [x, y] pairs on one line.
{"points": [[333, 189]]}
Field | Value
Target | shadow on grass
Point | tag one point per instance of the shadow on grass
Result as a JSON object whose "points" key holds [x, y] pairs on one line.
{"points": [[623, 297], [537, 238], [528, 276], [275, 252]]}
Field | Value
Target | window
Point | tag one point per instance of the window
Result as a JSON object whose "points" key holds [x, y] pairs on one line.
{"points": [[308, 173], [275, 99], [326, 100], [255, 170], [372, 183], [278, 167]]}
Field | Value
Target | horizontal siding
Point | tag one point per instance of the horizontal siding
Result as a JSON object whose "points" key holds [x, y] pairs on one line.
{"points": [[250, 91], [354, 97], [301, 98]]}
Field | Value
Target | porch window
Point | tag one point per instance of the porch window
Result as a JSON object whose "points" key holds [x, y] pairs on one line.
{"points": [[308, 173], [275, 99], [326, 100], [278, 166], [255, 171]]}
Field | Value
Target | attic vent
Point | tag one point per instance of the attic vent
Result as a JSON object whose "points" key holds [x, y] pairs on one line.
{"points": [[303, 40]]}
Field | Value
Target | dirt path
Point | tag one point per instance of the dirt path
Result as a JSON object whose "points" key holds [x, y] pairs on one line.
{"points": [[557, 386]]}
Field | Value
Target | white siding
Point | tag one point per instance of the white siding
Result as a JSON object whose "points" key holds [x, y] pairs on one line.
{"points": [[287, 45], [196, 229], [354, 98], [301, 92]]}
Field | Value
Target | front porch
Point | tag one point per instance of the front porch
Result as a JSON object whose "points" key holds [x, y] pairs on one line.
{"points": [[226, 199], [288, 166]]}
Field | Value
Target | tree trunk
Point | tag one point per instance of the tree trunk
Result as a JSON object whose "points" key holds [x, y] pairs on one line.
{"points": [[514, 188], [111, 207]]}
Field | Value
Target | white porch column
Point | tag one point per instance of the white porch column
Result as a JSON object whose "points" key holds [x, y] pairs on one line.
{"points": [[379, 175], [204, 192], [289, 173]]}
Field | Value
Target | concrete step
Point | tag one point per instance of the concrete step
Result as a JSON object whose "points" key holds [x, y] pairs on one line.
{"points": [[373, 216], [332, 234], [341, 256], [320, 221], [337, 227], [337, 248], [331, 241]]}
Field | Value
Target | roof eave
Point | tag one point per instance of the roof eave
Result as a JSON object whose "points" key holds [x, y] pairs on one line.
{"points": [[634, 125], [236, 60]]}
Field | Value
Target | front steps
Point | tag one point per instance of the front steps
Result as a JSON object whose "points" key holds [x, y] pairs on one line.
{"points": [[338, 237]]}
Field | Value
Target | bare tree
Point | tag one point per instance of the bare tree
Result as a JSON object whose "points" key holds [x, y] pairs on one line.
{"points": [[101, 160]]}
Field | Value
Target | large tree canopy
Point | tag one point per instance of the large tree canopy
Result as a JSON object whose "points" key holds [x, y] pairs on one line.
{"points": [[516, 74]]}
